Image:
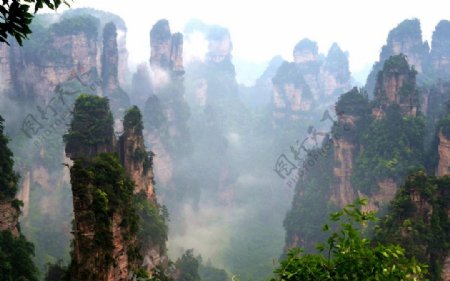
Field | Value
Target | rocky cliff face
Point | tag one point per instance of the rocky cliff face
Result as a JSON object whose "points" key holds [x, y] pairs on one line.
{"points": [[434, 99], [166, 49], [426, 209], [123, 70], [9, 217], [306, 59], [446, 268], [160, 45], [103, 241], [176, 54], [110, 68], [65, 57], [9, 207], [110, 58], [7, 68], [104, 18], [311, 81], [386, 192], [396, 84], [344, 152], [431, 64], [106, 220], [136, 160], [67, 48], [440, 54], [444, 156], [291, 94], [219, 45], [405, 39], [336, 78], [213, 78], [49, 58], [166, 112], [420, 222]]}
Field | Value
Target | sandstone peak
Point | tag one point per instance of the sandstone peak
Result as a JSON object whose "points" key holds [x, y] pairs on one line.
{"points": [[219, 44], [406, 30], [396, 84], [161, 30], [305, 50], [440, 49], [337, 63], [405, 39], [166, 48]]}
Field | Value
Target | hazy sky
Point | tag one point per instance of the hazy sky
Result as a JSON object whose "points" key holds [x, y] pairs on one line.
{"points": [[262, 29]]}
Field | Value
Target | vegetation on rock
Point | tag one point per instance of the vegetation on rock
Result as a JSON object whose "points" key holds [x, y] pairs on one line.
{"points": [[16, 253], [8, 178], [418, 220], [393, 146], [92, 123], [348, 255]]}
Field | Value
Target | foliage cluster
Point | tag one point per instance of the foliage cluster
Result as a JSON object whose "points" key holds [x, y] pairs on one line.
{"points": [[393, 146], [133, 120], [347, 255], [354, 102], [152, 221], [397, 63], [103, 16], [16, 17], [16, 261], [208, 272], [92, 123], [192, 268], [86, 24], [418, 220], [355, 105], [55, 272], [103, 183], [188, 265], [8, 179], [40, 46]]}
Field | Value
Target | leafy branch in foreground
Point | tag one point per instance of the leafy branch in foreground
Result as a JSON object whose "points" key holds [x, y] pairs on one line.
{"points": [[16, 17], [347, 255]]}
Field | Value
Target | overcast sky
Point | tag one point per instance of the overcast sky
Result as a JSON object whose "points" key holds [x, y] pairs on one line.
{"points": [[264, 28]]}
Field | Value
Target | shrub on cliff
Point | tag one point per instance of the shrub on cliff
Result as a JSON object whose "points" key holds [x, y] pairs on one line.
{"points": [[347, 255]]}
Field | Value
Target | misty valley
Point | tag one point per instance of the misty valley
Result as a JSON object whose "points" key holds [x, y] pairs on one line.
{"points": [[173, 170]]}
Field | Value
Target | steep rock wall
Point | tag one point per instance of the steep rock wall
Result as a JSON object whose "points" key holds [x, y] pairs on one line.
{"points": [[342, 191], [444, 156]]}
